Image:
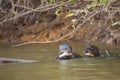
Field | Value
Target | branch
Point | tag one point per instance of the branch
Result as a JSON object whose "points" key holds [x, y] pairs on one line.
{"points": [[42, 9], [23, 7]]}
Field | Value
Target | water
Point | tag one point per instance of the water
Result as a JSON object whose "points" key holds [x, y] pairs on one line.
{"points": [[47, 68]]}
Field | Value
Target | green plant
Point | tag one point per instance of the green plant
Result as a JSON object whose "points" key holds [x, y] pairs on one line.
{"points": [[73, 1], [52, 1], [97, 2]]}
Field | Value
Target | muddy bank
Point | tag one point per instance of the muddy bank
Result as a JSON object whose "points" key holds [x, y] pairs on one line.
{"points": [[47, 26], [57, 28]]}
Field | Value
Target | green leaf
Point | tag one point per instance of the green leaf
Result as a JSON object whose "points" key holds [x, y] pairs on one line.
{"points": [[70, 15], [52, 1], [104, 2], [95, 3], [73, 1]]}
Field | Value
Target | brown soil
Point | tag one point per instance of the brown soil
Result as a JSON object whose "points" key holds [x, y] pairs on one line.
{"points": [[57, 28]]}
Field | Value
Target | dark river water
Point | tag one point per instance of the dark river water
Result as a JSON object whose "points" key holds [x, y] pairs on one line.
{"points": [[47, 68]]}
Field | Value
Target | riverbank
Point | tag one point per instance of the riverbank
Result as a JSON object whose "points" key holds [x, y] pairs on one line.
{"points": [[56, 30], [90, 26]]}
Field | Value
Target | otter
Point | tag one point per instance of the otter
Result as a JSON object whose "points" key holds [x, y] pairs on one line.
{"points": [[91, 51], [65, 52]]}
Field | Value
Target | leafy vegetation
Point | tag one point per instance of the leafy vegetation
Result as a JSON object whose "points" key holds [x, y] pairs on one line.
{"points": [[97, 3], [52, 1], [73, 1]]}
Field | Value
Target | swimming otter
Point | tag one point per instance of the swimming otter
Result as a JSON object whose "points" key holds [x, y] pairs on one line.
{"points": [[92, 51], [65, 52]]}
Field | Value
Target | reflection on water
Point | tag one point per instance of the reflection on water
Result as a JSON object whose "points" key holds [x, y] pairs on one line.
{"points": [[47, 68]]}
